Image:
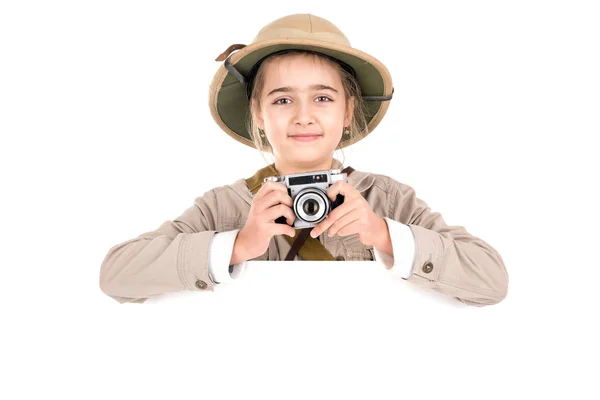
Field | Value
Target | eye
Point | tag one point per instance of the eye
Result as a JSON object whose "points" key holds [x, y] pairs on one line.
{"points": [[278, 101], [324, 97]]}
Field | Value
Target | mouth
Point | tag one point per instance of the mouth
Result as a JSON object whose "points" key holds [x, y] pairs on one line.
{"points": [[306, 137]]}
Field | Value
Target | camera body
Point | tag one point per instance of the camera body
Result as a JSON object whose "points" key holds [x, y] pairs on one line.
{"points": [[308, 191]]}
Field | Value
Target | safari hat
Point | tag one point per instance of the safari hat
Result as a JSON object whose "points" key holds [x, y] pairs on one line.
{"points": [[231, 85]]}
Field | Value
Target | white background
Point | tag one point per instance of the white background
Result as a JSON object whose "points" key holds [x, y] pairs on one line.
{"points": [[106, 133]]}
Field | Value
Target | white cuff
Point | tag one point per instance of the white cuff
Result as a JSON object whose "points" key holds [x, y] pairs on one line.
{"points": [[403, 245], [221, 249]]}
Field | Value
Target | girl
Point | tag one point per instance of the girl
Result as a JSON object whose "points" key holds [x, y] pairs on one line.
{"points": [[299, 91]]}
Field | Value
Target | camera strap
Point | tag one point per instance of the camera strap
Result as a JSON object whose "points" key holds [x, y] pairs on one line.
{"points": [[309, 248]]}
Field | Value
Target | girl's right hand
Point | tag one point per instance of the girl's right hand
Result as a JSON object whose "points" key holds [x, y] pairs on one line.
{"points": [[271, 202]]}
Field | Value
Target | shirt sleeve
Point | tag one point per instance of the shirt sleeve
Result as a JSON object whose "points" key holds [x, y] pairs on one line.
{"points": [[172, 258], [221, 249], [448, 258], [403, 244]]}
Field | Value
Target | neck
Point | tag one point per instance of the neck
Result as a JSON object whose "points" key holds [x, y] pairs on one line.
{"points": [[286, 168]]}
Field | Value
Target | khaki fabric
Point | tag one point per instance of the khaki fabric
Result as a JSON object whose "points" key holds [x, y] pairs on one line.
{"points": [[174, 257]]}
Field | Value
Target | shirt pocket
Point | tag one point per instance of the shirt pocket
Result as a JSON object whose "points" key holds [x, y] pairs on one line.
{"points": [[365, 254], [356, 250], [232, 223]]}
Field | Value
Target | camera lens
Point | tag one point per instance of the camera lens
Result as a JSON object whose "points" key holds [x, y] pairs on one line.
{"points": [[311, 205]]}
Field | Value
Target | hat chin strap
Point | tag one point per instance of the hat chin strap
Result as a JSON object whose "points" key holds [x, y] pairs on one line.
{"points": [[233, 71], [378, 98]]}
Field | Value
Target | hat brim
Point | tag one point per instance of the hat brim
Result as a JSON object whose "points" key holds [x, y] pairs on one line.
{"points": [[227, 96]]}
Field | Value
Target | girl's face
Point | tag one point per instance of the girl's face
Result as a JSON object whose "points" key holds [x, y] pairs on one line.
{"points": [[303, 111]]}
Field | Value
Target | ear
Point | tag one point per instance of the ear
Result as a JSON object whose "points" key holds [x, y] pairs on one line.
{"points": [[257, 114], [349, 111]]}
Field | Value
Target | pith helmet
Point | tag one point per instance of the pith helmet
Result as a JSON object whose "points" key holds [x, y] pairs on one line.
{"points": [[231, 85]]}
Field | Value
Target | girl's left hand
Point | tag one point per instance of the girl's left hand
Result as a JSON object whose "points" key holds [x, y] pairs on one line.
{"points": [[354, 215]]}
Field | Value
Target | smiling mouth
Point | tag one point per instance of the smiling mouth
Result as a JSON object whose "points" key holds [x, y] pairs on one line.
{"points": [[305, 138]]}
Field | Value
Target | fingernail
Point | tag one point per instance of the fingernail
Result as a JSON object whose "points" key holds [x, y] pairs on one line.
{"points": [[313, 234]]}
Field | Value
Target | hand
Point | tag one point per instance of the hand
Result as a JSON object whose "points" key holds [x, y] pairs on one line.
{"points": [[354, 215], [271, 202]]}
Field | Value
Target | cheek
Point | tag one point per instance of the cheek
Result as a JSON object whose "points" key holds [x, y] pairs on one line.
{"points": [[275, 119], [334, 116]]}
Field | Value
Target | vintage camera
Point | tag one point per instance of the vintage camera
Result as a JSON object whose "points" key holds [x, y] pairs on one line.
{"points": [[309, 192]]}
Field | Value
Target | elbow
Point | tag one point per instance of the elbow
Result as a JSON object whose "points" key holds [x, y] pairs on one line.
{"points": [[108, 289], [111, 275], [108, 274], [105, 284], [103, 281], [479, 300], [496, 291], [500, 283], [502, 289]]}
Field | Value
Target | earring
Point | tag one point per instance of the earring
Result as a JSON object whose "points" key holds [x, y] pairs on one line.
{"points": [[261, 132], [346, 130]]}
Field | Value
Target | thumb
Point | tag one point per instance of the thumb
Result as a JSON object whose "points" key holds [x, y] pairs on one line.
{"points": [[286, 230], [333, 191]]}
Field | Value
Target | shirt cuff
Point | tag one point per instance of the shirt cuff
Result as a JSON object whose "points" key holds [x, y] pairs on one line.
{"points": [[221, 249], [404, 247]]}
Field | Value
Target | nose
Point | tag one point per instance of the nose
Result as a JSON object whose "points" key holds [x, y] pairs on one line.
{"points": [[304, 113]]}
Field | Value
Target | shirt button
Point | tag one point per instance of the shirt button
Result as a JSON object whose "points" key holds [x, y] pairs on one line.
{"points": [[339, 258], [201, 284], [427, 267]]}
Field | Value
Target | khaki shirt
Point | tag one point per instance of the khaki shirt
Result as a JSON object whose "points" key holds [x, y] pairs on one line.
{"points": [[174, 257]]}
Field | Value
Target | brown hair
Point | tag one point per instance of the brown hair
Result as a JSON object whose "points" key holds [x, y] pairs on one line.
{"points": [[351, 89]]}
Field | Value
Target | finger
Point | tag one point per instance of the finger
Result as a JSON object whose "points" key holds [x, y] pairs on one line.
{"points": [[351, 228], [343, 209], [332, 217], [344, 221], [271, 214], [280, 229], [268, 187], [341, 187], [322, 226], [274, 198]]}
